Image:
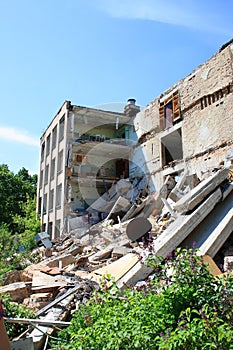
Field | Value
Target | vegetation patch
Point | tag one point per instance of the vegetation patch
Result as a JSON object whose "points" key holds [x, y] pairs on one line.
{"points": [[182, 306]]}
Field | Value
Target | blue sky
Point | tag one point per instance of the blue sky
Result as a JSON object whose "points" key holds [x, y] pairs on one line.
{"points": [[93, 52]]}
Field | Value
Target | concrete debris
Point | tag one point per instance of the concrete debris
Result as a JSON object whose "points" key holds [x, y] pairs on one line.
{"points": [[182, 213], [184, 184], [18, 291], [194, 197]]}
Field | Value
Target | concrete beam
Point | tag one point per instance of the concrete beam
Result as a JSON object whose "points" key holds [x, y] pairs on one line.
{"points": [[184, 225], [214, 230], [190, 200], [170, 239], [217, 238], [137, 273]]}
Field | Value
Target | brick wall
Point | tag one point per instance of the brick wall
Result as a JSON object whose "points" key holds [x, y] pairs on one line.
{"points": [[206, 105]]}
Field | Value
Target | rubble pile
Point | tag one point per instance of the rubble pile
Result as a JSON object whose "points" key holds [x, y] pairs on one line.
{"points": [[185, 211]]}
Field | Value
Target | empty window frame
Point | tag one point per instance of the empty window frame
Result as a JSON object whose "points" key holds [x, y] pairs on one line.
{"points": [[169, 111], [48, 144], [51, 199], [59, 195], [57, 228], [54, 137], [61, 127], [45, 204], [46, 175], [41, 178], [60, 161], [172, 149], [52, 172], [42, 151], [39, 205], [50, 228]]}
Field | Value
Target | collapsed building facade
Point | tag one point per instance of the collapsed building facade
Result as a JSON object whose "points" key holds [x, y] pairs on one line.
{"points": [[152, 180], [85, 152]]}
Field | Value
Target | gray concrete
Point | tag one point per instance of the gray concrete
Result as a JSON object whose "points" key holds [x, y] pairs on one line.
{"points": [[212, 232], [184, 225], [200, 192]]}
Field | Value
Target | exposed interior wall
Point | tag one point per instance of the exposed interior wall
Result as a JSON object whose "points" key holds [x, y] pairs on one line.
{"points": [[102, 131], [200, 137]]}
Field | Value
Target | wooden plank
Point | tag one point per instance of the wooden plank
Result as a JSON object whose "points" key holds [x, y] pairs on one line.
{"points": [[139, 272], [57, 300], [118, 268], [212, 267], [59, 312], [37, 321], [42, 281]]}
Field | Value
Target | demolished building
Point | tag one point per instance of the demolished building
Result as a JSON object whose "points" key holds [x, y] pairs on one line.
{"points": [[85, 151], [114, 187]]}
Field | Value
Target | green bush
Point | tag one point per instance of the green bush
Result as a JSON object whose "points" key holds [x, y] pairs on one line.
{"points": [[182, 307], [15, 310]]}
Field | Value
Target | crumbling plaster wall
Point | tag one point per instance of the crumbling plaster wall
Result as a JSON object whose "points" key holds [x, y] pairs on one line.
{"points": [[207, 121], [211, 126]]}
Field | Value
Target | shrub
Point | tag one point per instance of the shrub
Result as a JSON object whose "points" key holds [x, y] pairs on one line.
{"points": [[15, 310], [171, 311]]}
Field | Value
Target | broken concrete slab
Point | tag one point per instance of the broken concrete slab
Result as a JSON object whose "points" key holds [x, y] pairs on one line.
{"points": [[121, 205], [102, 254], [118, 252], [105, 203], [38, 300], [118, 268], [18, 291], [12, 276], [217, 238], [138, 272], [132, 211], [61, 260], [185, 184], [151, 203], [168, 207], [75, 249], [213, 231], [44, 282], [179, 229], [27, 273], [200, 192]]}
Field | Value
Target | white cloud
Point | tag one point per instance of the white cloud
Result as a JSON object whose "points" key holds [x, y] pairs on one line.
{"points": [[15, 135], [193, 14]]}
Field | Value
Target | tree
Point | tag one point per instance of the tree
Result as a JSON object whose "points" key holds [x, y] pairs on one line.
{"points": [[28, 182], [28, 225], [10, 201], [14, 193], [18, 220]]}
